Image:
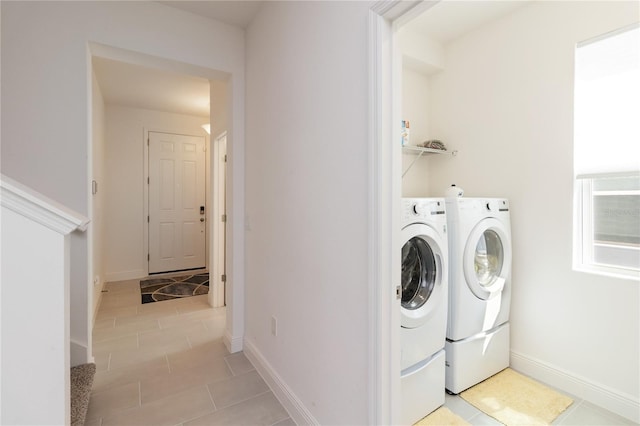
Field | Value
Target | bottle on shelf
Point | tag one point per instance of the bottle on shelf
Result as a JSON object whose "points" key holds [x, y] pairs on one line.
{"points": [[406, 132]]}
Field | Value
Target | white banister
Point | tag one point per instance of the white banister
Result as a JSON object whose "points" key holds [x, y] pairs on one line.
{"points": [[34, 305]]}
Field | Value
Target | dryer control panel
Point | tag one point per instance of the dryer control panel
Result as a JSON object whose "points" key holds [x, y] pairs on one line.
{"points": [[497, 205]]}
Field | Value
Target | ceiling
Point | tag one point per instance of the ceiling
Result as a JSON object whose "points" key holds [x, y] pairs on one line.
{"points": [[150, 88], [142, 87], [451, 19], [237, 12]]}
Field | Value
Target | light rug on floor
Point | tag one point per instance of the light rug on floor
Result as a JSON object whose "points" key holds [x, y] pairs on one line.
{"points": [[514, 399], [442, 417]]}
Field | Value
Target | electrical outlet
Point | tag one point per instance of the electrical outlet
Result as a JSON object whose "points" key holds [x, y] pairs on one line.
{"points": [[274, 326]]}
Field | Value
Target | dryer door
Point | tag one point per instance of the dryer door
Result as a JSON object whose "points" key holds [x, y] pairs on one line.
{"points": [[423, 274], [487, 258]]}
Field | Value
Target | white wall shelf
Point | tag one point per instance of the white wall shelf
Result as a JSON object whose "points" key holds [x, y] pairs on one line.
{"points": [[420, 151]]}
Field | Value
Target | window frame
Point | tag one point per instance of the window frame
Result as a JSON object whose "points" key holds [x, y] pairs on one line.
{"points": [[584, 242]]}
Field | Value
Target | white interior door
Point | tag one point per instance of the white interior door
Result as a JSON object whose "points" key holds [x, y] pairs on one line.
{"points": [[177, 239]]}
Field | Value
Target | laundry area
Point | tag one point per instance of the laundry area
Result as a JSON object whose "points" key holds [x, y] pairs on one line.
{"points": [[487, 137]]}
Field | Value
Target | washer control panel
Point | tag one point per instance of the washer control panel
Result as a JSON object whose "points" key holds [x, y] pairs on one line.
{"points": [[422, 209]]}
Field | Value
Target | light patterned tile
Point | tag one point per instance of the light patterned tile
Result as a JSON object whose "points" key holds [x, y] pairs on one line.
{"points": [[181, 330], [286, 422], [586, 414], [104, 323], [126, 358], [159, 307], [166, 412], [198, 356], [111, 401], [237, 389], [193, 307], [105, 313], [483, 419], [102, 361], [126, 330], [161, 387], [134, 373], [117, 344], [261, 410], [238, 363], [207, 336], [461, 407], [94, 422], [184, 318]]}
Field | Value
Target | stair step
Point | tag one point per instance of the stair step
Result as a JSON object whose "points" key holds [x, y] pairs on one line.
{"points": [[81, 383]]}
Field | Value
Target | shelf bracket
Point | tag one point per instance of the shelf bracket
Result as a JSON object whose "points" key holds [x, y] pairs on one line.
{"points": [[412, 163]]}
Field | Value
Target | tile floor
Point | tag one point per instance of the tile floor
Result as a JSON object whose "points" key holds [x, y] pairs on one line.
{"points": [[164, 363]]}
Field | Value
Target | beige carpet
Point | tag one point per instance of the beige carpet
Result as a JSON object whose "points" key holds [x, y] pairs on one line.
{"points": [[81, 382], [514, 399], [441, 417]]}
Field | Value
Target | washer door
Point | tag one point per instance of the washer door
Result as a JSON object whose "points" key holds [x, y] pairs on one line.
{"points": [[422, 274], [487, 258]]}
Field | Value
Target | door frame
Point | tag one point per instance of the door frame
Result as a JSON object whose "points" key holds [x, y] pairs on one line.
{"points": [[385, 193], [145, 194], [218, 258]]}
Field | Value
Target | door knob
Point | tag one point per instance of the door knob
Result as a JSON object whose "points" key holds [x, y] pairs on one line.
{"points": [[202, 219]]}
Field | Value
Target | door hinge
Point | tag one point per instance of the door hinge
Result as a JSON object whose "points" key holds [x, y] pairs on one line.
{"points": [[398, 293], [223, 278], [223, 218], [225, 158], [147, 141], [148, 181], [148, 257], [147, 219]]}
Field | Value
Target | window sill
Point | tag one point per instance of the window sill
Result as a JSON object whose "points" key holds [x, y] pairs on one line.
{"points": [[624, 274]]}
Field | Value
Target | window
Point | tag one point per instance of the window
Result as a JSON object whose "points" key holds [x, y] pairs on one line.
{"points": [[607, 154]]}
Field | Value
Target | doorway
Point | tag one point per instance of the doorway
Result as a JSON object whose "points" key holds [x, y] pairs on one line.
{"points": [[219, 99]]}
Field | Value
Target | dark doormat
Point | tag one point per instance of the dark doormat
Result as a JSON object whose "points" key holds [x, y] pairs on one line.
{"points": [[159, 289]]}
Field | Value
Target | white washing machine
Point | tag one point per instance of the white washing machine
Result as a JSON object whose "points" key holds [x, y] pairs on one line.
{"points": [[477, 344], [423, 306]]}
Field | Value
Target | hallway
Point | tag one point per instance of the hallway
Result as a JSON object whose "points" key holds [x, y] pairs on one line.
{"points": [[164, 363]]}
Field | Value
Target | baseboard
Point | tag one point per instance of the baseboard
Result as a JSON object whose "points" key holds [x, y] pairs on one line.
{"points": [[96, 305], [296, 409], [622, 404], [125, 275], [233, 344]]}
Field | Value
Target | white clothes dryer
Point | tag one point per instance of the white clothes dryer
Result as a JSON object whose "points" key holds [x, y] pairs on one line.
{"points": [[477, 344], [423, 306]]}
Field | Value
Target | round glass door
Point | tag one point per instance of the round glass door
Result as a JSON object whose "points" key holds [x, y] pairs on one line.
{"points": [[418, 273], [488, 258]]}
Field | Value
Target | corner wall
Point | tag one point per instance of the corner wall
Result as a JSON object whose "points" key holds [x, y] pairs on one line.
{"points": [[307, 207], [505, 101]]}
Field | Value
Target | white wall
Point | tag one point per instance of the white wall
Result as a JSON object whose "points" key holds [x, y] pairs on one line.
{"points": [[97, 206], [415, 108], [46, 83], [505, 101], [125, 253], [307, 217]]}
